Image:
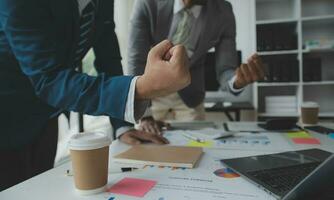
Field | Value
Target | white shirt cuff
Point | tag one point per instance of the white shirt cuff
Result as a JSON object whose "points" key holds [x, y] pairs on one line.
{"points": [[231, 86], [134, 110], [122, 130]]}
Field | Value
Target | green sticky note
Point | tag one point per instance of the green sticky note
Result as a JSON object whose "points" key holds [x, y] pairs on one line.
{"points": [[299, 134], [193, 143]]}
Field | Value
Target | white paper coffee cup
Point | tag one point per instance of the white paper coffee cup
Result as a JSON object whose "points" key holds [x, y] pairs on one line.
{"points": [[90, 157], [309, 113]]}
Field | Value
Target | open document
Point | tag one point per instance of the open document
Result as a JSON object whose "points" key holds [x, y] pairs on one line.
{"points": [[221, 184], [269, 141]]}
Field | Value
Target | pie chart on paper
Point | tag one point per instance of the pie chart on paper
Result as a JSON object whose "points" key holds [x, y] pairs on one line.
{"points": [[226, 173]]}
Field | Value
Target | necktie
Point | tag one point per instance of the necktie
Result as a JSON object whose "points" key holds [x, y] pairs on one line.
{"points": [[182, 32], [86, 25]]}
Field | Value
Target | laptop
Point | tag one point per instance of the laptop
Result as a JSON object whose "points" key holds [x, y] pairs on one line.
{"points": [[289, 175], [320, 129]]}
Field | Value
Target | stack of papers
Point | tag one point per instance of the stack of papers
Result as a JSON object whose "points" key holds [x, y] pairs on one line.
{"points": [[209, 133], [281, 104], [269, 141]]}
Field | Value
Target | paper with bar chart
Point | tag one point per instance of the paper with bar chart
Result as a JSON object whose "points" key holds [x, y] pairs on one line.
{"points": [[244, 141]]}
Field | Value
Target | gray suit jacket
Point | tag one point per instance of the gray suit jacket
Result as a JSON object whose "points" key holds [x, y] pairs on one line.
{"points": [[151, 23]]}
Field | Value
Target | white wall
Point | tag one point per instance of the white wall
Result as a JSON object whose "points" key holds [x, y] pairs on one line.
{"points": [[244, 14], [123, 10]]}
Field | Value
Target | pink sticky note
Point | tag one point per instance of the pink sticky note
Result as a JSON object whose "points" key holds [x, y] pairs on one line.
{"points": [[306, 141], [132, 187]]}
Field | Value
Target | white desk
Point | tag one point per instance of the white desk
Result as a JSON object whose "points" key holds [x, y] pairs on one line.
{"points": [[55, 185]]}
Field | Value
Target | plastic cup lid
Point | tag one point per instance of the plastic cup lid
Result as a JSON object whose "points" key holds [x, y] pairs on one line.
{"points": [[310, 105], [89, 141]]}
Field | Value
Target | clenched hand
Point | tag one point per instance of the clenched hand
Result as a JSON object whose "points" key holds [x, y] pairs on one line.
{"points": [[248, 73], [166, 71]]}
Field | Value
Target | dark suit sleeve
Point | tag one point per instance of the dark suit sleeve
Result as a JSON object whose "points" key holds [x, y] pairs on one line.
{"points": [[108, 57], [106, 49], [226, 53], [28, 26]]}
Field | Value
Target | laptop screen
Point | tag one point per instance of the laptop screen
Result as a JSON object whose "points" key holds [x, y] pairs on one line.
{"points": [[255, 163]]}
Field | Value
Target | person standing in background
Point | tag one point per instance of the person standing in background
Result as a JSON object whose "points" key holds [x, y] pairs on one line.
{"points": [[42, 42], [199, 25]]}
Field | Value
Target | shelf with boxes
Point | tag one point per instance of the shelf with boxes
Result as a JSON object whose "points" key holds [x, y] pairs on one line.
{"points": [[295, 38], [318, 67], [318, 35], [277, 37], [281, 68], [317, 28]]}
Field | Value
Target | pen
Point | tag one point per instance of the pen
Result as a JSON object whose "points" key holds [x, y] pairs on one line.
{"points": [[126, 169], [224, 137], [123, 169], [193, 138]]}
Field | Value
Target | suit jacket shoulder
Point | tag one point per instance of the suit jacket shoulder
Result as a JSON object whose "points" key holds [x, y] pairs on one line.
{"points": [[222, 4], [223, 8], [151, 5]]}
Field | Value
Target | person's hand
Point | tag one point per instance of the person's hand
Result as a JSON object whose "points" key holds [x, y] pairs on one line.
{"points": [[148, 124], [135, 137], [248, 73], [166, 71]]}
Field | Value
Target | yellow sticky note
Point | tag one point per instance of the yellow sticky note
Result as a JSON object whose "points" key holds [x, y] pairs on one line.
{"points": [[193, 143], [299, 134]]}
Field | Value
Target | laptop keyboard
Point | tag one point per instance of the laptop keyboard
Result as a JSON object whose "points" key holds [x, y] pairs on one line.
{"points": [[282, 180]]}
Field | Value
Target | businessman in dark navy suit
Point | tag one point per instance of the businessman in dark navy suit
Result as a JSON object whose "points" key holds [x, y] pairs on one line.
{"points": [[42, 42]]}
